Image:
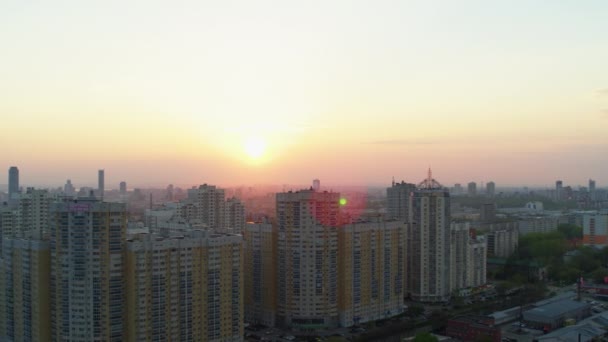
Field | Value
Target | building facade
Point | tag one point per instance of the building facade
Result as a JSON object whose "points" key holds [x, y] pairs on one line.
{"points": [[184, 288], [595, 229], [398, 200], [87, 291], [428, 243], [25, 270], [371, 271], [260, 263], [307, 248]]}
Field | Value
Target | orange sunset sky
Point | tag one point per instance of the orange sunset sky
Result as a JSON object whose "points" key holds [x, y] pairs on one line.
{"points": [[273, 92]]}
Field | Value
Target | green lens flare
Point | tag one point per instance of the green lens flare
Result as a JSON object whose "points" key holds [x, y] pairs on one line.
{"points": [[342, 201]]}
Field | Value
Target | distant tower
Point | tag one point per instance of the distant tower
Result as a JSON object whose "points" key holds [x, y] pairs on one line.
{"points": [[591, 185], [428, 247], [13, 182], [123, 188], [100, 183], [558, 190], [490, 188], [316, 185], [68, 188], [472, 188]]}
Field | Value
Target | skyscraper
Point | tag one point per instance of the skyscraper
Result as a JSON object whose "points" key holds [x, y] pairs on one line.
{"points": [[68, 188], [307, 259], [490, 189], [13, 182], [398, 200], [100, 183], [87, 294], [472, 189], [123, 188], [559, 190], [428, 250]]}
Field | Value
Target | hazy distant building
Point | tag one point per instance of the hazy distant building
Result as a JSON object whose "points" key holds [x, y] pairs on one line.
{"points": [[559, 193], [491, 189], [535, 206], [307, 247], [371, 271], [13, 182], [543, 224], [595, 229], [472, 189], [169, 192], [487, 212], [184, 288], [234, 220], [591, 185], [123, 188], [86, 286], [206, 204], [398, 200], [68, 188], [101, 183], [316, 185], [457, 189], [428, 244], [260, 265]]}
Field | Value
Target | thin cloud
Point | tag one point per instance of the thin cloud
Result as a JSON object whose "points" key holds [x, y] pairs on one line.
{"points": [[602, 92], [401, 142]]}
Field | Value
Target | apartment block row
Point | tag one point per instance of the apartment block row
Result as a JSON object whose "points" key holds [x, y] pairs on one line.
{"points": [[85, 280]]}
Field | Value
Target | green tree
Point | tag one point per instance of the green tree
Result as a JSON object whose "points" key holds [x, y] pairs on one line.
{"points": [[570, 231], [425, 337]]}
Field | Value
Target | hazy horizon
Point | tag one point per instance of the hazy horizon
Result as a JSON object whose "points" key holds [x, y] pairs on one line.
{"points": [[350, 92]]}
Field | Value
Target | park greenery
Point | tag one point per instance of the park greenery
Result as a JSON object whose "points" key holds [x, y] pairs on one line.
{"points": [[561, 255]]}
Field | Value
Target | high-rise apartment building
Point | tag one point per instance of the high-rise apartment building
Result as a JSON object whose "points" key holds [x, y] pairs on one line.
{"points": [[260, 263], [595, 229], [472, 189], [13, 182], [87, 293], [234, 219], [101, 183], [33, 214], [184, 288], [307, 247], [398, 198], [206, 204], [371, 267], [25, 269], [428, 247], [468, 256], [491, 189], [123, 188]]}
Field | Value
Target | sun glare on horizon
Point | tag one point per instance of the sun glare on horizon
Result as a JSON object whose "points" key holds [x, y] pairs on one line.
{"points": [[255, 148]]}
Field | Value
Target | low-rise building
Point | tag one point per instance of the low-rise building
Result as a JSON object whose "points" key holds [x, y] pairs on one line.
{"points": [[472, 328], [554, 315]]}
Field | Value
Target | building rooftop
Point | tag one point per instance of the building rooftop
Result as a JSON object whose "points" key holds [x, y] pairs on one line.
{"points": [[556, 309]]}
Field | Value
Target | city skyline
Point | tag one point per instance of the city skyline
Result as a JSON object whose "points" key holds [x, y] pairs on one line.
{"points": [[250, 92]]}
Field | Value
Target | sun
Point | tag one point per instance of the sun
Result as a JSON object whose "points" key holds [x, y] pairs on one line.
{"points": [[255, 147]]}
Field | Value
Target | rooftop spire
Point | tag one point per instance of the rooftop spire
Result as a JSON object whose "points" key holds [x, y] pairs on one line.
{"points": [[429, 182]]}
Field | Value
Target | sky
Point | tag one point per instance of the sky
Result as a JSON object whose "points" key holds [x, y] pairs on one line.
{"points": [[271, 92]]}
